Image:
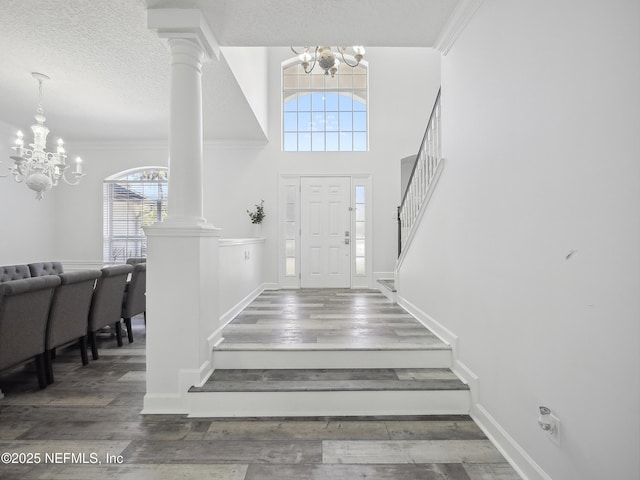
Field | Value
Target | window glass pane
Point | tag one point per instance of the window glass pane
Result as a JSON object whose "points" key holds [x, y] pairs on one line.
{"points": [[304, 121], [360, 193], [304, 103], [304, 81], [331, 123], [359, 105], [360, 142], [290, 81], [360, 230], [360, 270], [291, 104], [290, 266], [345, 102], [331, 141], [317, 141], [291, 212], [317, 102], [318, 122], [359, 248], [317, 81], [360, 213], [345, 81], [290, 121], [345, 121], [290, 230], [359, 81], [360, 121], [304, 142], [331, 102], [290, 248], [290, 142], [346, 142]]}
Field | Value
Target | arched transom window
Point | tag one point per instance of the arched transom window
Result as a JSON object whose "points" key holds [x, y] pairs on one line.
{"points": [[132, 199], [321, 113]]}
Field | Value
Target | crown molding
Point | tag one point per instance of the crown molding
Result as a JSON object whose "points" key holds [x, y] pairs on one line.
{"points": [[456, 24]]}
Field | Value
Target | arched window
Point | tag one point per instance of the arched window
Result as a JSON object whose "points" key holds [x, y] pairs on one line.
{"points": [[132, 199], [321, 113]]}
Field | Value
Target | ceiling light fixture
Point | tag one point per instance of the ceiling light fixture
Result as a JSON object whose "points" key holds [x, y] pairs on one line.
{"points": [[38, 169], [327, 59]]}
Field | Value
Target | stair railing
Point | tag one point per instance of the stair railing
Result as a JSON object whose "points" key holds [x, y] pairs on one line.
{"points": [[424, 168]]}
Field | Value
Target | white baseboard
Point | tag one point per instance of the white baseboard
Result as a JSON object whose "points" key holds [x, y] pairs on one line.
{"points": [[165, 403], [521, 462], [230, 314]]}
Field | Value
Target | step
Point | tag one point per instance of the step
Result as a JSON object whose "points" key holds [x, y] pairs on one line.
{"points": [[329, 392], [387, 286], [330, 356]]}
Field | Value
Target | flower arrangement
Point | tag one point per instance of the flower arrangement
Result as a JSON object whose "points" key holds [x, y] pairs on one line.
{"points": [[258, 215]]}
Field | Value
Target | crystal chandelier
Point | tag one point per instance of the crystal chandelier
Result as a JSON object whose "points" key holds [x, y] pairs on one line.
{"points": [[38, 169], [327, 59]]}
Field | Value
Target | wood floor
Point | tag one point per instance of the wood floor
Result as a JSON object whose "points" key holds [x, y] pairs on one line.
{"points": [[94, 411]]}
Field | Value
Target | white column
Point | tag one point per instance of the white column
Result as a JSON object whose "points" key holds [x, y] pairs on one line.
{"points": [[183, 316], [185, 136]]}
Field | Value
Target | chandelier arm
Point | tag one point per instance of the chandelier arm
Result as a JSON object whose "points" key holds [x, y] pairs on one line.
{"points": [[315, 60], [345, 60], [296, 52]]}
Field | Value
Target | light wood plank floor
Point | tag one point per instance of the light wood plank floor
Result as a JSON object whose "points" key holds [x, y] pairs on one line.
{"points": [[94, 410]]}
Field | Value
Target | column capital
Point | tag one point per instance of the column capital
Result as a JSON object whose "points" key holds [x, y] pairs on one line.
{"points": [[186, 23]]}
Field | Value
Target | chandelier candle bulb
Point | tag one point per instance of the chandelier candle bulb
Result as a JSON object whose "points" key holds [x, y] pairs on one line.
{"points": [[78, 166]]}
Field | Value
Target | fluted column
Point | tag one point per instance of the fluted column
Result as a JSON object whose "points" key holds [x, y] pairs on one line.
{"points": [[185, 134]]}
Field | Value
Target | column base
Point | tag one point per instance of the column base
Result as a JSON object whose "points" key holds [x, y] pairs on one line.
{"points": [[182, 310]]}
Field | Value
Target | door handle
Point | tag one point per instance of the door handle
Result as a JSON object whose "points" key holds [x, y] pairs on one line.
{"points": [[346, 241]]}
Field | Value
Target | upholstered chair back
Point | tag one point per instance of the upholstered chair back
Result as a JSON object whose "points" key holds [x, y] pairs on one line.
{"points": [[136, 260], [70, 307], [106, 304], [45, 268], [8, 273], [24, 309], [135, 299]]}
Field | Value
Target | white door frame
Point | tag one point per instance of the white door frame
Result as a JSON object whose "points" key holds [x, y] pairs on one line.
{"points": [[289, 229]]}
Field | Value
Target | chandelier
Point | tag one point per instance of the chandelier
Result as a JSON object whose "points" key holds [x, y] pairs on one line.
{"points": [[38, 169], [327, 58]]}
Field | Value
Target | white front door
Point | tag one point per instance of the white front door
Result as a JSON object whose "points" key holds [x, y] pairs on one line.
{"points": [[325, 225]]}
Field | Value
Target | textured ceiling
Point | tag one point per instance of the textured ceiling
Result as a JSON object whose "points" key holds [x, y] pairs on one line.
{"points": [[110, 73]]}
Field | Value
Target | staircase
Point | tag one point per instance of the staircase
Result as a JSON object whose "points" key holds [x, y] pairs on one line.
{"points": [[328, 353]]}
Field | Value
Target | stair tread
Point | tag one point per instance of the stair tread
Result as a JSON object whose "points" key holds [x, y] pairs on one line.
{"points": [[224, 346], [387, 283], [315, 380]]}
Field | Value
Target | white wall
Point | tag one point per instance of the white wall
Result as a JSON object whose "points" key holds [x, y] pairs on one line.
{"points": [[26, 225], [541, 105]]}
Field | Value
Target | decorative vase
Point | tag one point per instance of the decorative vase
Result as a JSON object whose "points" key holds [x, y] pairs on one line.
{"points": [[256, 230]]}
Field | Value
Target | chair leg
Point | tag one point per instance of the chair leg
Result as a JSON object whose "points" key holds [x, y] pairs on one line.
{"points": [[93, 344], [48, 364], [119, 333], [82, 343], [53, 354], [127, 321], [145, 318], [42, 376]]}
